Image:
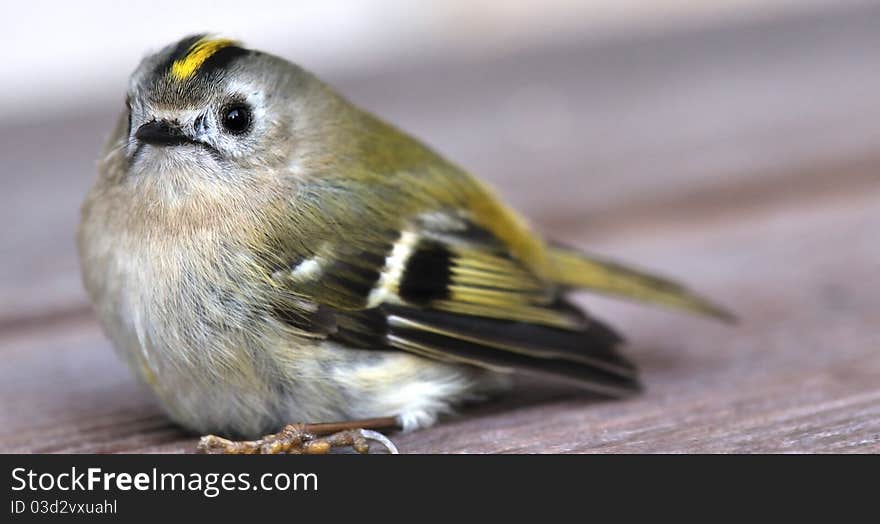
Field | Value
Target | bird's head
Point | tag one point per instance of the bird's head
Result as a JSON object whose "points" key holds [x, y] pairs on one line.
{"points": [[208, 110]]}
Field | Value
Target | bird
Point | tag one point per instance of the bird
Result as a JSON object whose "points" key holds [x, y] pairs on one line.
{"points": [[264, 254]]}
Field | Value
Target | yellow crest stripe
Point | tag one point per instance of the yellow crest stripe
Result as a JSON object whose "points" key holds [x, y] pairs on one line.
{"points": [[199, 52]]}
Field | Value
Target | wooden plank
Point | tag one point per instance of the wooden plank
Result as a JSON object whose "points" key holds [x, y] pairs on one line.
{"points": [[604, 129], [742, 159], [800, 373]]}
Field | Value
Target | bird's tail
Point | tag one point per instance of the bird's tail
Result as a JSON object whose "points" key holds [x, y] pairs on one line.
{"points": [[578, 270]]}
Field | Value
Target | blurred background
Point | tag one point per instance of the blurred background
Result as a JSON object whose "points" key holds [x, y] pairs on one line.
{"points": [[734, 144]]}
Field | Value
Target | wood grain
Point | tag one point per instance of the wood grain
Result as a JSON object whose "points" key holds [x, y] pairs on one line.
{"points": [[743, 159], [798, 374]]}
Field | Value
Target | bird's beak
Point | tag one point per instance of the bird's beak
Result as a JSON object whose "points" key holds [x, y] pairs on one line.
{"points": [[162, 133]]}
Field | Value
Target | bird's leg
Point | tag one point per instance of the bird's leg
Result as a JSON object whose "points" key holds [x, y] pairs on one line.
{"points": [[307, 439]]}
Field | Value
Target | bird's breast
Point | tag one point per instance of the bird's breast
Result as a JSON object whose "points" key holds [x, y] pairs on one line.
{"points": [[183, 312]]}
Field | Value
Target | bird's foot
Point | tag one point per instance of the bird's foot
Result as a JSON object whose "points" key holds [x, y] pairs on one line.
{"points": [[304, 439]]}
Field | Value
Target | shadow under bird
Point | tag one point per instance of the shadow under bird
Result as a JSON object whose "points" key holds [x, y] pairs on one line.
{"points": [[263, 252]]}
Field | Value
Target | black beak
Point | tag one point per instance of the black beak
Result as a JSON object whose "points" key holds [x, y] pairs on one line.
{"points": [[162, 133]]}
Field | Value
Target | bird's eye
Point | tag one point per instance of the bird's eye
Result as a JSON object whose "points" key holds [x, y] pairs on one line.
{"points": [[237, 118]]}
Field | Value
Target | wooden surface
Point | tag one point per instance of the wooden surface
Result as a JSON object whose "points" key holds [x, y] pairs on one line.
{"points": [[743, 159]]}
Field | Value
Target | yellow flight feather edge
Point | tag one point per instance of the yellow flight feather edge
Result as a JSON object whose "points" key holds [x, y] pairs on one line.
{"points": [[578, 270], [199, 52], [487, 211]]}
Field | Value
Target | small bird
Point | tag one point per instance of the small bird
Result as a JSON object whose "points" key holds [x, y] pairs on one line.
{"points": [[263, 252]]}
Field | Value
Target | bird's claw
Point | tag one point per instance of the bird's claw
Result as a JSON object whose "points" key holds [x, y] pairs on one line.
{"points": [[296, 439]]}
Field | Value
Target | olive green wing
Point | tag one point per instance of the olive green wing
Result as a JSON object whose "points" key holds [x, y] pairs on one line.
{"points": [[448, 289]]}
